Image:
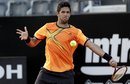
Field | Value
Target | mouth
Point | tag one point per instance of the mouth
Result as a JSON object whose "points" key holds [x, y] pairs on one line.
{"points": [[65, 18]]}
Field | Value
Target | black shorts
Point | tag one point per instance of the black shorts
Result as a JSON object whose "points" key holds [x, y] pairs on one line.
{"points": [[48, 77]]}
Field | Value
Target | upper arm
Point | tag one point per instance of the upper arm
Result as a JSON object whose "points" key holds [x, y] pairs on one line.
{"points": [[88, 43]]}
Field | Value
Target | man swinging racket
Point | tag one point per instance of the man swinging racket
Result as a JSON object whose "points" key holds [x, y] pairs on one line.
{"points": [[62, 39]]}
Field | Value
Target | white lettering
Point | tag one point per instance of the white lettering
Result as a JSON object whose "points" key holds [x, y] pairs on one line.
{"points": [[125, 50], [118, 48], [11, 71], [2, 72], [104, 43], [88, 56], [115, 42]]}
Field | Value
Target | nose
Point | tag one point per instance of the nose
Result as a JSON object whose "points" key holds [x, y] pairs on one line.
{"points": [[66, 14]]}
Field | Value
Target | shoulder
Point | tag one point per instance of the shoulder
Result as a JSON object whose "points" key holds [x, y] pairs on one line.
{"points": [[49, 24], [75, 28]]}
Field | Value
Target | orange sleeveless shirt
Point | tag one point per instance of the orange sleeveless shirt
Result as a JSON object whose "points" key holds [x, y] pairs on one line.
{"points": [[58, 52]]}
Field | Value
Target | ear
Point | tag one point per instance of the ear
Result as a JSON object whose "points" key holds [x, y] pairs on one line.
{"points": [[57, 13]]}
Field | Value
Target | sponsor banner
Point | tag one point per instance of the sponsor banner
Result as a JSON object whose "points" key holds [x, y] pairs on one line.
{"points": [[118, 48], [13, 70], [109, 31]]}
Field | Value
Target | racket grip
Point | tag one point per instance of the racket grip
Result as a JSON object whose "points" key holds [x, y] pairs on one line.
{"points": [[113, 63]]}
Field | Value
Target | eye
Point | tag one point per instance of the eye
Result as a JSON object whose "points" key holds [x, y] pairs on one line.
{"points": [[65, 11], [62, 11], [68, 12]]}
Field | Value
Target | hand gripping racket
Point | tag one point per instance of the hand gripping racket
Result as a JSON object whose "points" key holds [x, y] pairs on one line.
{"points": [[119, 72]]}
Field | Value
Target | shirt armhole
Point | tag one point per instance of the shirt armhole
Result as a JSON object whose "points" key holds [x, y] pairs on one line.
{"points": [[37, 38], [86, 41]]}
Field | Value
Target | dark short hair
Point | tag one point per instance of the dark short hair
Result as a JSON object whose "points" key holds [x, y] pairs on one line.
{"points": [[63, 4]]}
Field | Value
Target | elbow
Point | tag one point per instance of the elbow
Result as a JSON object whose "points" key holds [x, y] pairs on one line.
{"points": [[31, 45]]}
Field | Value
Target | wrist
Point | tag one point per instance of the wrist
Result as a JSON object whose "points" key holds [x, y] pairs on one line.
{"points": [[107, 57], [27, 40]]}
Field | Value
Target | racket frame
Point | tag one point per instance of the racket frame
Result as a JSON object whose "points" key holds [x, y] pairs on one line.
{"points": [[116, 70]]}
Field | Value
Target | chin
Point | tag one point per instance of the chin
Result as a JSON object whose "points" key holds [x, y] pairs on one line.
{"points": [[64, 22]]}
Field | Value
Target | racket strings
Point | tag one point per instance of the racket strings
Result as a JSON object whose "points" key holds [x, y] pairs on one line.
{"points": [[119, 73]]}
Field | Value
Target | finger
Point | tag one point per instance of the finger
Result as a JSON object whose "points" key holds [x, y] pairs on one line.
{"points": [[114, 65], [25, 28], [21, 37], [18, 33], [19, 30]]}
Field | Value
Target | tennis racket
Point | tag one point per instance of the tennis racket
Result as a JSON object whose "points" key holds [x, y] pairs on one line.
{"points": [[119, 72]]}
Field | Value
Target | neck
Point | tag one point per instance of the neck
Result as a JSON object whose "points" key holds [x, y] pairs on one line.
{"points": [[63, 25]]}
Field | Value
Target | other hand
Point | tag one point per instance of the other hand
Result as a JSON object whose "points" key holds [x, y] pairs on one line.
{"points": [[23, 34]]}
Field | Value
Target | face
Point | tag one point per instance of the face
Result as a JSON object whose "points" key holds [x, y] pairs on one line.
{"points": [[64, 15]]}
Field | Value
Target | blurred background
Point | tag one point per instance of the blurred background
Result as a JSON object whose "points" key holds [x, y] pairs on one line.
{"points": [[48, 7], [105, 22]]}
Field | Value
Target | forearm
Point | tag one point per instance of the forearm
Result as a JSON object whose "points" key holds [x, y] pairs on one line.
{"points": [[97, 50], [32, 42]]}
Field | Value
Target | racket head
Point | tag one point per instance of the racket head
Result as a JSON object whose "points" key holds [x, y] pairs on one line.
{"points": [[119, 72]]}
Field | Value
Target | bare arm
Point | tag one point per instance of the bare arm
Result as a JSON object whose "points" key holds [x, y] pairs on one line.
{"points": [[33, 42], [30, 41], [96, 49]]}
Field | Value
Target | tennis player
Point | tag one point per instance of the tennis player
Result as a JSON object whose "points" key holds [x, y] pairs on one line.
{"points": [[58, 67]]}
